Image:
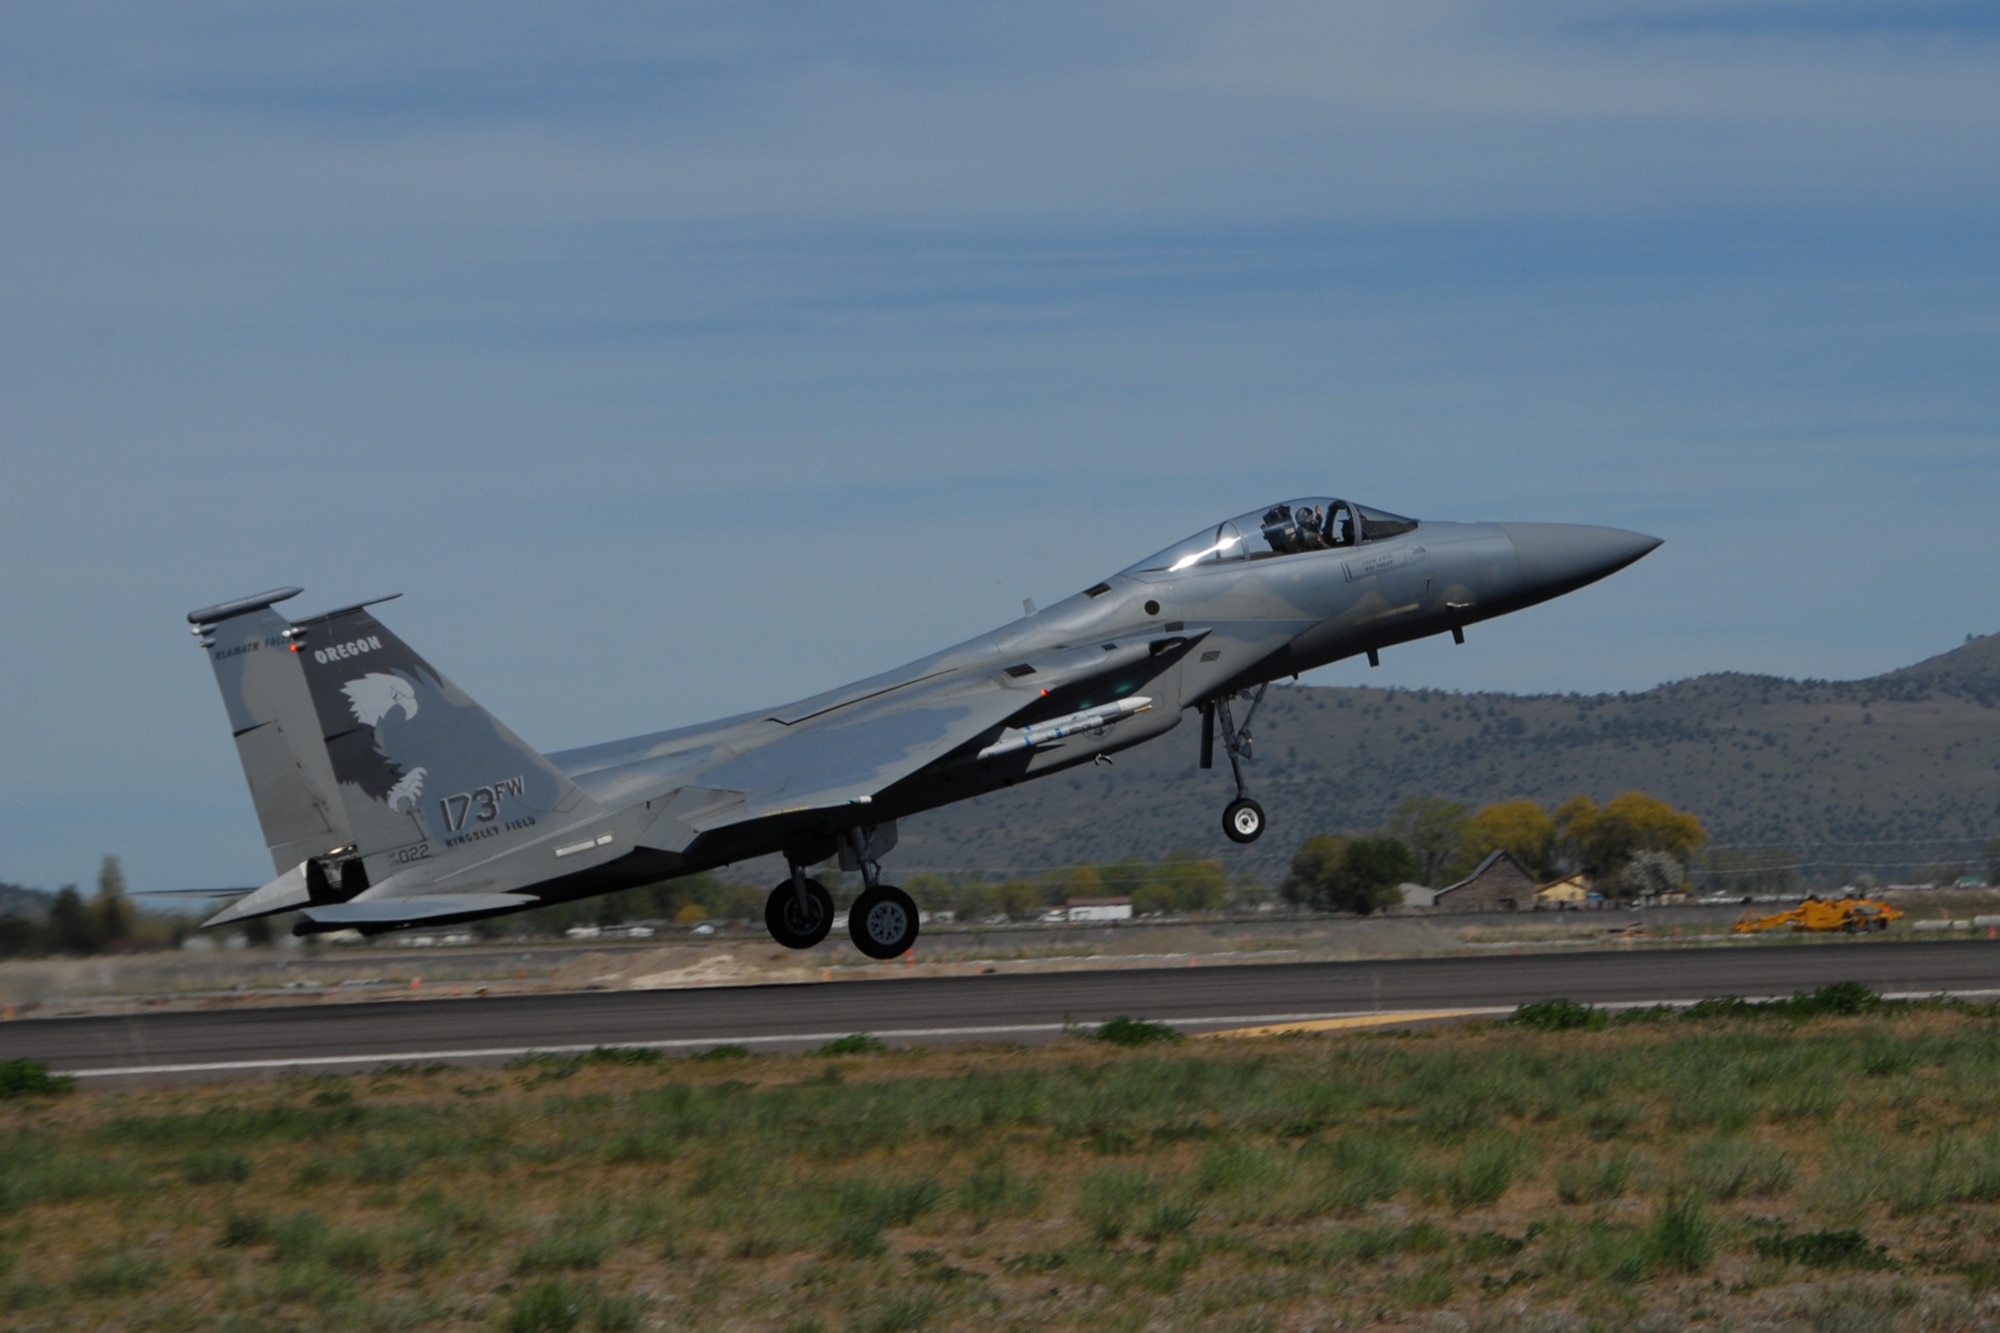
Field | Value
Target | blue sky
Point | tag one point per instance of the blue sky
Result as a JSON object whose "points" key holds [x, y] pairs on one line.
{"points": [[675, 360]]}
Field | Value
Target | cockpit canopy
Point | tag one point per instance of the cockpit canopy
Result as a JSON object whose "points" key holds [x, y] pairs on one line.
{"points": [[1293, 527]]}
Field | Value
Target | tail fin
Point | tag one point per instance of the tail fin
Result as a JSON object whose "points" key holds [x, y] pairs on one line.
{"points": [[422, 770], [277, 731], [363, 758]]}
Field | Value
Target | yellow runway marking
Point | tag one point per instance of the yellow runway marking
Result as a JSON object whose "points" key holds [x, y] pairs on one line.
{"points": [[1352, 1021]]}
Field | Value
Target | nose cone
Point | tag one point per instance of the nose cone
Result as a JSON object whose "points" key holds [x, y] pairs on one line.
{"points": [[1559, 557]]}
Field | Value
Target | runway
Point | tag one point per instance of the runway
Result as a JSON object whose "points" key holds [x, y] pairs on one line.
{"points": [[335, 1036]]}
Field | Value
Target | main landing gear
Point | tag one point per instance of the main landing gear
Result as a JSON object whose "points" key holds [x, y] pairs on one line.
{"points": [[1242, 818], [799, 912], [883, 921]]}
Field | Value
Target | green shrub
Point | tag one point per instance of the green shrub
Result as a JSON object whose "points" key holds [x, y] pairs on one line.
{"points": [[1681, 1238], [1733, 1168], [1559, 1015], [115, 1275], [726, 1051], [31, 1078], [1110, 1199], [1355, 1172], [624, 1056], [1169, 1217], [546, 1307], [246, 1229], [1425, 1289], [862, 1208], [1840, 998], [1720, 1007], [993, 1190], [564, 1247], [1123, 1031], [1239, 1168], [1481, 1175], [351, 1251], [858, 1043], [1594, 1179], [1823, 1249], [215, 1167]]}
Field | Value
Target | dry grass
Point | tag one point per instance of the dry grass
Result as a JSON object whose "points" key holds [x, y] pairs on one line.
{"points": [[1838, 1173]]}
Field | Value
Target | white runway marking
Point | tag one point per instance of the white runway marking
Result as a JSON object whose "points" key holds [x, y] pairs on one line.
{"points": [[887, 1034]]}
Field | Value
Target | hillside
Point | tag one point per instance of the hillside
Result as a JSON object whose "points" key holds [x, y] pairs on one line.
{"points": [[1884, 774]]}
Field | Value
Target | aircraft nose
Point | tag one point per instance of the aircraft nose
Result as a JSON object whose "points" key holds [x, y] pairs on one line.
{"points": [[1559, 557]]}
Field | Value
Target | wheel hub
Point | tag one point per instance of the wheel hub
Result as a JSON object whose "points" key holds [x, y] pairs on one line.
{"points": [[885, 922]]}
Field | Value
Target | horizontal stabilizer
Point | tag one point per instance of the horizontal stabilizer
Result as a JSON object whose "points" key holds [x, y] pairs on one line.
{"points": [[403, 911], [193, 893], [221, 611], [289, 890]]}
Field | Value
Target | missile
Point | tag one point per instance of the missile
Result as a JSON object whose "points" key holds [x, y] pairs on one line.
{"points": [[1048, 733]]}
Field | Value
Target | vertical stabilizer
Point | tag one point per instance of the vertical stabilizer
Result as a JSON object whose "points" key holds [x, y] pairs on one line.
{"points": [[422, 772], [276, 728]]}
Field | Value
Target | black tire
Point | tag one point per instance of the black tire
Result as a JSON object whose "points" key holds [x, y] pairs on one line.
{"points": [[796, 925], [1243, 820], [883, 922]]}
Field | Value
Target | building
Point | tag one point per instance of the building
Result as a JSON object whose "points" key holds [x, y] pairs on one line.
{"points": [[1570, 893], [1099, 909], [1417, 895], [1497, 884]]}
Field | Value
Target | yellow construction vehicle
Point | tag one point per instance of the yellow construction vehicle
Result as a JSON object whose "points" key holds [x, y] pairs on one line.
{"points": [[1849, 915]]}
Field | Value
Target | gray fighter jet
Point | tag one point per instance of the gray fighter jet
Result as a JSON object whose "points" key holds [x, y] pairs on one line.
{"points": [[390, 799]]}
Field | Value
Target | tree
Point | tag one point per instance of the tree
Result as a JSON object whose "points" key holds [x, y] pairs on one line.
{"points": [[1993, 862], [1082, 882], [1433, 829], [1182, 883], [1335, 874], [1372, 868], [1315, 865], [1604, 838], [1522, 829], [111, 910], [1020, 899], [18, 935], [1649, 875], [71, 929]]}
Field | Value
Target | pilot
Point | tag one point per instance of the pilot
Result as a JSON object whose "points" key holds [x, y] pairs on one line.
{"points": [[1279, 530], [1310, 529]]}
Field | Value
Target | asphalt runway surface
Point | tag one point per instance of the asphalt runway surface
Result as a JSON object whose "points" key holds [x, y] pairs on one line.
{"points": [[1019, 1007]]}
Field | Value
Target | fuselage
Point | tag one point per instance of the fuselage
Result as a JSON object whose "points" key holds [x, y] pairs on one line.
{"points": [[1178, 638], [388, 797]]}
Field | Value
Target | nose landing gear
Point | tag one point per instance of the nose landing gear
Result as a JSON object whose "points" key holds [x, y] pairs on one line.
{"points": [[1242, 818]]}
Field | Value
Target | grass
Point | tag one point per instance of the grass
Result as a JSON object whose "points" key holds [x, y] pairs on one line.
{"points": [[1744, 1163]]}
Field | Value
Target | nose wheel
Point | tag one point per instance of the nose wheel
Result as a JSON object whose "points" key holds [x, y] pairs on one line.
{"points": [[1242, 818]]}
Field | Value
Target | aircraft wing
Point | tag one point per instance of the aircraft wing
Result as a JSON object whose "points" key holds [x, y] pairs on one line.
{"points": [[839, 751], [848, 753]]}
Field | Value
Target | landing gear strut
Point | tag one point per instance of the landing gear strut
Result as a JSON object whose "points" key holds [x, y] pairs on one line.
{"points": [[1242, 818], [799, 912], [883, 921]]}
